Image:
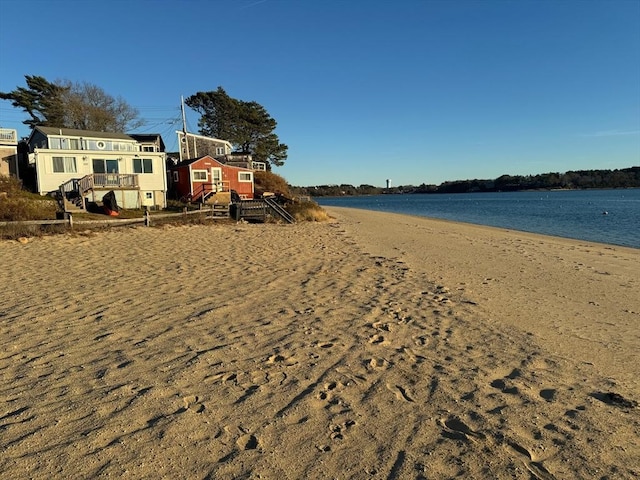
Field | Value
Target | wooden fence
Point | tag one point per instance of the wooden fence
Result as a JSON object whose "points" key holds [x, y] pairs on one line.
{"points": [[146, 220]]}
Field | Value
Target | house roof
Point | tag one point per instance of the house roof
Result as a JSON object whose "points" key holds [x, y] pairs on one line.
{"points": [[72, 132], [211, 139], [190, 161], [148, 138]]}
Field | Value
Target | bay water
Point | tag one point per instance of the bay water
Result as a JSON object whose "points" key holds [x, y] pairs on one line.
{"points": [[604, 216]]}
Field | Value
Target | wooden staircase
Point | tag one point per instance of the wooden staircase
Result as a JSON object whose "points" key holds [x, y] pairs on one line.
{"points": [[74, 204], [70, 198], [277, 210], [258, 210], [220, 210]]}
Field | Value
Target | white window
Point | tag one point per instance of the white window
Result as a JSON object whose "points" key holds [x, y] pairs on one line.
{"points": [[148, 148], [245, 177], [64, 165], [149, 195], [219, 150], [200, 175], [142, 165]]}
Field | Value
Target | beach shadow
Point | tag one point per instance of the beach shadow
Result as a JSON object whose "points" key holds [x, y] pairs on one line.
{"points": [[615, 399]]}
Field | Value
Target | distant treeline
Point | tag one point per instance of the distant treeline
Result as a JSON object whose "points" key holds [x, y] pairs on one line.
{"points": [[579, 179]]}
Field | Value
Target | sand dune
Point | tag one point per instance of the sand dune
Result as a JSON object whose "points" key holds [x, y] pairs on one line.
{"points": [[376, 346]]}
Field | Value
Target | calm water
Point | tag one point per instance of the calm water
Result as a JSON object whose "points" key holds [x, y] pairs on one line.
{"points": [[577, 214]]}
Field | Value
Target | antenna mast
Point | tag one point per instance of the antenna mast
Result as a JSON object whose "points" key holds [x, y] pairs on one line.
{"points": [[184, 129]]}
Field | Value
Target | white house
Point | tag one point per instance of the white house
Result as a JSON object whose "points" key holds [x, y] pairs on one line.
{"points": [[89, 164], [8, 152]]}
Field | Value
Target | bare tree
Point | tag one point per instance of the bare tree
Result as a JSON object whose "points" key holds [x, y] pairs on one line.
{"points": [[66, 104], [89, 107]]}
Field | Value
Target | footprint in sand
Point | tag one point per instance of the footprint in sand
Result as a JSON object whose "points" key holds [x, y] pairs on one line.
{"points": [[455, 429], [247, 442], [500, 384], [420, 341], [378, 363], [381, 326], [549, 394], [329, 396], [281, 359], [400, 392], [193, 404], [532, 463], [338, 431]]}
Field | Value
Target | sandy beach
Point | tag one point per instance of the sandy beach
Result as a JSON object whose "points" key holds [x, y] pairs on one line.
{"points": [[374, 346]]}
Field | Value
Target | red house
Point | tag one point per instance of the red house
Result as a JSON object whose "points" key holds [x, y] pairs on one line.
{"points": [[200, 179]]}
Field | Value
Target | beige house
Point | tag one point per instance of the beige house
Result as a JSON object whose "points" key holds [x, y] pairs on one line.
{"points": [[86, 165], [8, 152]]}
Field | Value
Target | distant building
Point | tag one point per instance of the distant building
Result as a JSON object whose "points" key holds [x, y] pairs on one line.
{"points": [[8, 152], [196, 146], [388, 183]]}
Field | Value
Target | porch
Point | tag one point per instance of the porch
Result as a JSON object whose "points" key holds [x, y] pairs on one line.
{"points": [[74, 193], [205, 192]]}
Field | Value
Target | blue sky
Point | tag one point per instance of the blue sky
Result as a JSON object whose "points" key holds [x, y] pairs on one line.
{"points": [[416, 91]]}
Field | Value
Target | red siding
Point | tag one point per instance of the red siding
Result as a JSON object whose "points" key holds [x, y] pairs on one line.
{"points": [[229, 177]]}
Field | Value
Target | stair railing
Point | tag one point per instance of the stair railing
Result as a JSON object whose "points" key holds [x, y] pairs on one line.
{"points": [[276, 208]]}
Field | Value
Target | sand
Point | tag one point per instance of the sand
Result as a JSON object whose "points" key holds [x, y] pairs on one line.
{"points": [[375, 346]]}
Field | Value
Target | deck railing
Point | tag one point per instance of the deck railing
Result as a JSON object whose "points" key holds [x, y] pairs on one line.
{"points": [[8, 135], [115, 180], [70, 186], [206, 189], [262, 166], [103, 180]]}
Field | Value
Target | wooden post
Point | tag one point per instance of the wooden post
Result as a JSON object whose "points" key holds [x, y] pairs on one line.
{"points": [[147, 217], [70, 218]]}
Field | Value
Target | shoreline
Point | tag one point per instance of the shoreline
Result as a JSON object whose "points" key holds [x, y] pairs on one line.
{"points": [[576, 274], [597, 227], [373, 346]]}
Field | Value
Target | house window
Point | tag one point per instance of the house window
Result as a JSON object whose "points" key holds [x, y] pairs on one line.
{"points": [[219, 150], [200, 175], [148, 148], [74, 144], [245, 177], [64, 165], [105, 166], [148, 195], [142, 165]]}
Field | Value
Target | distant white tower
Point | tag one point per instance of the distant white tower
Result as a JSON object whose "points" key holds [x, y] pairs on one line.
{"points": [[388, 183]]}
